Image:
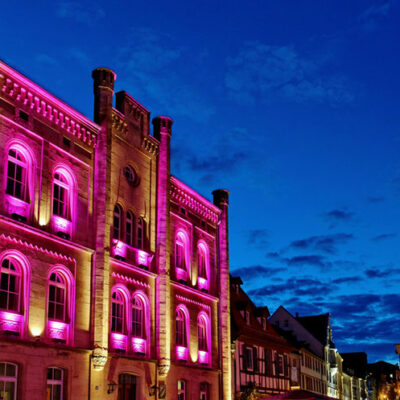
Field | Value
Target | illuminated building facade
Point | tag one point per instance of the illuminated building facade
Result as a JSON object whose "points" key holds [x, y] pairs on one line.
{"points": [[262, 358], [114, 273]]}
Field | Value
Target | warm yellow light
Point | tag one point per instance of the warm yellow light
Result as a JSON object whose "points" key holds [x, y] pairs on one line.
{"points": [[42, 221], [36, 331]]}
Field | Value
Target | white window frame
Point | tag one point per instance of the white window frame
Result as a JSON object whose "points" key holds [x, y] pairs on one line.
{"points": [[56, 382], [12, 379]]}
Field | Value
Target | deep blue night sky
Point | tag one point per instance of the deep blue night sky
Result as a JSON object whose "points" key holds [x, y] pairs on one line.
{"points": [[291, 105]]}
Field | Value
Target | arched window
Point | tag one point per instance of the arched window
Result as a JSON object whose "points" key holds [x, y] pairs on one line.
{"points": [[130, 223], [140, 233], [180, 250], [62, 193], [202, 261], [55, 384], [8, 381], [10, 285], [180, 328], [181, 389], [17, 174], [117, 312], [57, 300], [138, 318], [117, 222], [202, 333]]}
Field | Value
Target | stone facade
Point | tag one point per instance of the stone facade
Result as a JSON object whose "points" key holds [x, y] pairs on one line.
{"points": [[114, 274]]}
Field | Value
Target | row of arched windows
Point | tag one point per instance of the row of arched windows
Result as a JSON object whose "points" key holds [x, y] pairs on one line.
{"points": [[134, 228], [14, 290], [182, 334], [20, 181], [183, 259]]}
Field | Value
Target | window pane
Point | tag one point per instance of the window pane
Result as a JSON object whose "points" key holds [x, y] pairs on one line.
{"points": [[10, 370]]}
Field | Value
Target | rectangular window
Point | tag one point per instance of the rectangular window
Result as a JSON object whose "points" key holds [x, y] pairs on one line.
{"points": [[181, 390], [55, 384], [8, 381], [248, 357], [204, 391]]}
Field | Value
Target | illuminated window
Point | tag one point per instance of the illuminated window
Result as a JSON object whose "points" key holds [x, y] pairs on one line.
{"points": [[57, 303], [180, 328], [204, 391], [201, 261], [61, 195], [17, 168], [8, 381], [117, 312], [55, 384], [180, 259], [140, 233], [117, 222], [202, 333], [181, 390], [130, 221], [137, 317], [10, 285]]}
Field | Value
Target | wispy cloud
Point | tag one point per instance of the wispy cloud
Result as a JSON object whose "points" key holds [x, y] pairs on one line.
{"points": [[152, 62], [384, 236], [258, 272], [373, 16], [258, 238], [325, 243], [260, 70], [86, 14]]}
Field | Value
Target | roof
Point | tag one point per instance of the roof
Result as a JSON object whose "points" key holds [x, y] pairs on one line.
{"points": [[317, 325]]}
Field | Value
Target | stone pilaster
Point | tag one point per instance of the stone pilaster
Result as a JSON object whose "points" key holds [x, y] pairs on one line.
{"points": [[103, 86], [221, 200], [162, 132]]}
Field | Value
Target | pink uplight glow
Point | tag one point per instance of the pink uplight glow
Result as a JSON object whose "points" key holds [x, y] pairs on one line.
{"points": [[119, 341], [17, 206], [61, 224], [181, 274], [57, 330], [142, 258], [203, 357], [139, 345], [202, 282], [181, 353], [10, 322], [119, 248]]}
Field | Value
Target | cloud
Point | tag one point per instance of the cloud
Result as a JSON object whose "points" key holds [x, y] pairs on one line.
{"points": [[384, 236], [372, 17], [258, 238], [338, 215], [261, 70], [257, 272], [325, 243], [347, 279], [79, 12], [312, 259], [375, 200], [296, 286], [377, 273], [152, 62]]}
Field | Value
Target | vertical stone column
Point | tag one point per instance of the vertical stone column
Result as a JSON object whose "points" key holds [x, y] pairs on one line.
{"points": [[221, 200], [162, 132], [103, 86]]}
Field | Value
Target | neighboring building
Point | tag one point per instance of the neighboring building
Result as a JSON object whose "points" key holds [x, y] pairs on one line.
{"points": [[313, 367], [383, 381], [262, 358], [114, 274], [355, 365]]}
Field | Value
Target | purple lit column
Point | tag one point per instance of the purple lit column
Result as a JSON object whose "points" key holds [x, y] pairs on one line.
{"points": [[162, 132]]}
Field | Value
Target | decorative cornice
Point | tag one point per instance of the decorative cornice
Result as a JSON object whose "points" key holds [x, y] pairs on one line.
{"points": [[118, 122], [197, 303], [187, 197], [24, 92], [130, 280], [36, 247], [150, 145]]}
